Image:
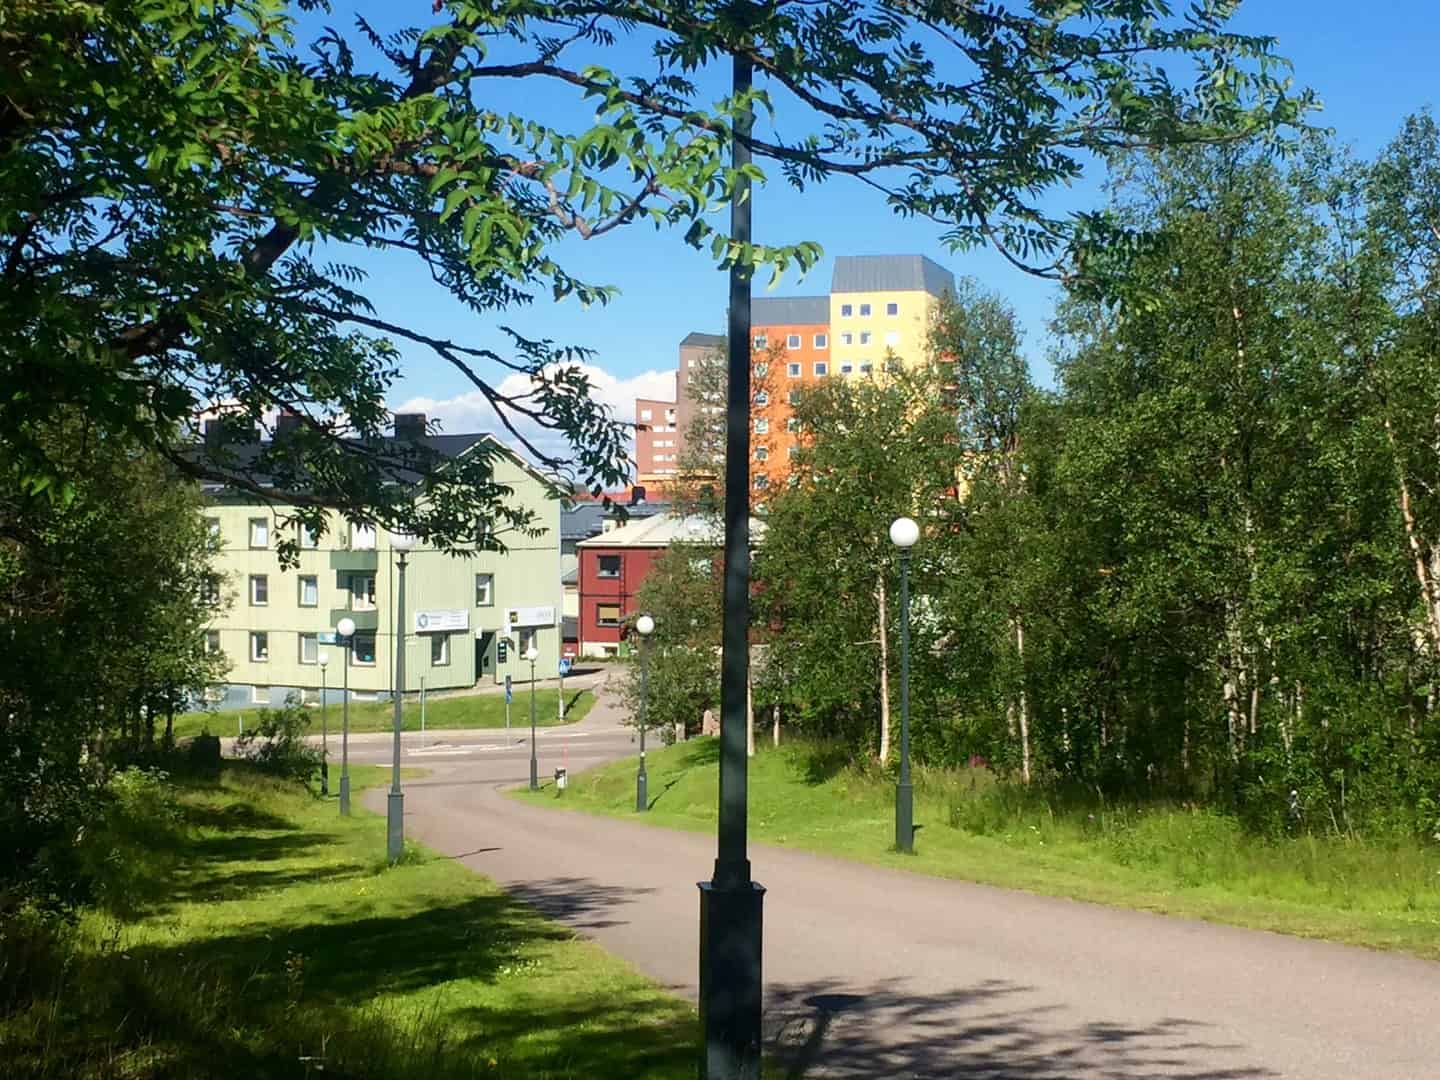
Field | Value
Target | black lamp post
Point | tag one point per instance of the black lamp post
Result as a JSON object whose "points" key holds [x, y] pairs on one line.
{"points": [[645, 626], [324, 661], [395, 803], [532, 654], [903, 534], [731, 901], [345, 637]]}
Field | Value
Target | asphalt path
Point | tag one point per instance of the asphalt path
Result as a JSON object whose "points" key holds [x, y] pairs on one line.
{"points": [[878, 973]]}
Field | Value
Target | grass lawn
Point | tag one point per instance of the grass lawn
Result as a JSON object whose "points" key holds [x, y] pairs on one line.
{"points": [[469, 711], [272, 941], [1165, 859]]}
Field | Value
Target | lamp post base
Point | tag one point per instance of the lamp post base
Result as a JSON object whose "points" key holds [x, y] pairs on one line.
{"points": [[905, 819], [395, 826], [345, 795], [642, 795], [534, 776], [730, 980]]}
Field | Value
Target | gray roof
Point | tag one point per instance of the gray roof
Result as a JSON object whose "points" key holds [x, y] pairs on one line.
{"points": [[707, 341], [586, 519], [662, 530], [890, 273], [790, 310]]}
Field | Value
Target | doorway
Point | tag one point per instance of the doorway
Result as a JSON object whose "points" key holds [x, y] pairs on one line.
{"points": [[485, 656]]}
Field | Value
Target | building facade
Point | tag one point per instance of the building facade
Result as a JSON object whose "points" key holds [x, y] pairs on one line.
{"points": [[467, 619], [657, 440]]}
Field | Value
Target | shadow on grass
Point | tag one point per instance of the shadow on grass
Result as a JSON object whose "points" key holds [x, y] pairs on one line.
{"points": [[701, 752], [820, 762], [651, 804], [234, 817], [994, 1029]]}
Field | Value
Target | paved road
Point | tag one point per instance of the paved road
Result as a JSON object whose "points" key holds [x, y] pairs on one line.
{"points": [[878, 973]]}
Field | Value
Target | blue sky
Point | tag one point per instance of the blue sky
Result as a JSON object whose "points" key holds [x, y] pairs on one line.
{"points": [[1370, 66]]}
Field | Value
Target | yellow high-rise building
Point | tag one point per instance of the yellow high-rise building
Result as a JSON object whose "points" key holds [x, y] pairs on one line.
{"points": [[881, 304]]}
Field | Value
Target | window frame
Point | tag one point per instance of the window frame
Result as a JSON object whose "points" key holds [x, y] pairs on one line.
{"points": [[259, 644], [760, 341], [362, 537], [367, 602], [762, 453], [601, 621], [762, 425], [259, 695], [892, 308], [354, 648], [263, 531], [792, 341], [864, 337], [762, 397], [793, 369], [822, 368], [847, 311], [609, 575], [314, 579], [864, 311], [443, 641], [822, 341], [259, 583], [212, 643], [307, 534], [314, 640], [489, 580]]}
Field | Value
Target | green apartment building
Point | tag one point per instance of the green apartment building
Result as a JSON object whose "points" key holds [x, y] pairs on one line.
{"points": [[467, 619]]}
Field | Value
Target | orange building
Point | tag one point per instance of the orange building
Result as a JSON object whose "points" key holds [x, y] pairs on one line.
{"points": [[791, 350]]}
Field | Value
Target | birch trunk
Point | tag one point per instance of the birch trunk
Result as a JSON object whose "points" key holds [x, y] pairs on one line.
{"points": [[749, 719], [775, 729], [884, 676], [1427, 569], [1024, 709]]}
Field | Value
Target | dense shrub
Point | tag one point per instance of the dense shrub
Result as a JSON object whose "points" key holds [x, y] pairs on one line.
{"points": [[276, 744]]}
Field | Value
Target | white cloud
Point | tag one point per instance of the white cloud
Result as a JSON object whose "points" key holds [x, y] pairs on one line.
{"points": [[470, 411]]}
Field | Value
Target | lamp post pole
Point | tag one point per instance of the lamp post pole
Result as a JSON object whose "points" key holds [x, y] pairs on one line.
{"points": [[324, 659], [345, 633], [395, 803], [731, 901], [646, 626], [903, 534], [531, 654]]}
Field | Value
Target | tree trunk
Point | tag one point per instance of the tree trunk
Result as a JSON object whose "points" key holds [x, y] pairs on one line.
{"points": [[884, 676], [775, 729], [749, 719], [1024, 709], [1427, 570]]}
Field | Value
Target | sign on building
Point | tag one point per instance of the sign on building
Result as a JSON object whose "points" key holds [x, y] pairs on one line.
{"points": [[442, 621], [528, 616]]}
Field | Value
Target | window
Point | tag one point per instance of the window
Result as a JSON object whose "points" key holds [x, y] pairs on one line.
{"points": [[762, 369], [892, 309], [794, 397], [762, 426], [362, 537], [846, 311], [212, 642], [609, 566], [647, 414], [259, 590], [792, 341], [761, 453], [440, 650], [791, 451], [309, 590], [761, 398], [260, 695], [846, 369], [309, 539], [309, 649], [864, 337], [484, 590], [821, 368], [670, 414], [761, 341], [792, 424], [362, 648], [793, 371], [822, 341], [864, 311], [527, 639], [210, 590], [847, 338], [761, 482], [892, 337], [259, 532], [362, 592], [607, 614], [259, 646], [866, 367]]}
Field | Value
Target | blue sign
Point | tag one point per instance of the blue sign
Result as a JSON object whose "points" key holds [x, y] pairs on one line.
{"points": [[564, 665], [509, 694], [327, 637]]}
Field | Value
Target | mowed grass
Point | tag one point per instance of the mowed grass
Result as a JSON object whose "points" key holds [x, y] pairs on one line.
{"points": [[1167, 859], [273, 941], [453, 713]]}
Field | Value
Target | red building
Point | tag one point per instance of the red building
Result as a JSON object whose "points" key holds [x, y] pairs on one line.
{"points": [[657, 440], [614, 565]]}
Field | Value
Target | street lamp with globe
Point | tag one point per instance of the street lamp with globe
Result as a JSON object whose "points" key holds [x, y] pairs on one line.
{"points": [[903, 534], [645, 626], [345, 638], [532, 654], [323, 659], [401, 542]]}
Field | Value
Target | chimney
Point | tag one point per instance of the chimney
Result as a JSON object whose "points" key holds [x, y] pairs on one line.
{"points": [[410, 425], [637, 495], [286, 423]]}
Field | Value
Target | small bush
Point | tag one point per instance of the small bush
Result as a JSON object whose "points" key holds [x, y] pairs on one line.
{"points": [[276, 744]]}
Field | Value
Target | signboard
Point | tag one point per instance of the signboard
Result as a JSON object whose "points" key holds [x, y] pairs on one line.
{"points": [[564, 667], [502, 653], [528, 616], [442, 621], [509, 694]]}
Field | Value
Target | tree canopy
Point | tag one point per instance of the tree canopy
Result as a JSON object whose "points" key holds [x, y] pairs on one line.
{"points": [[188, 188]]}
